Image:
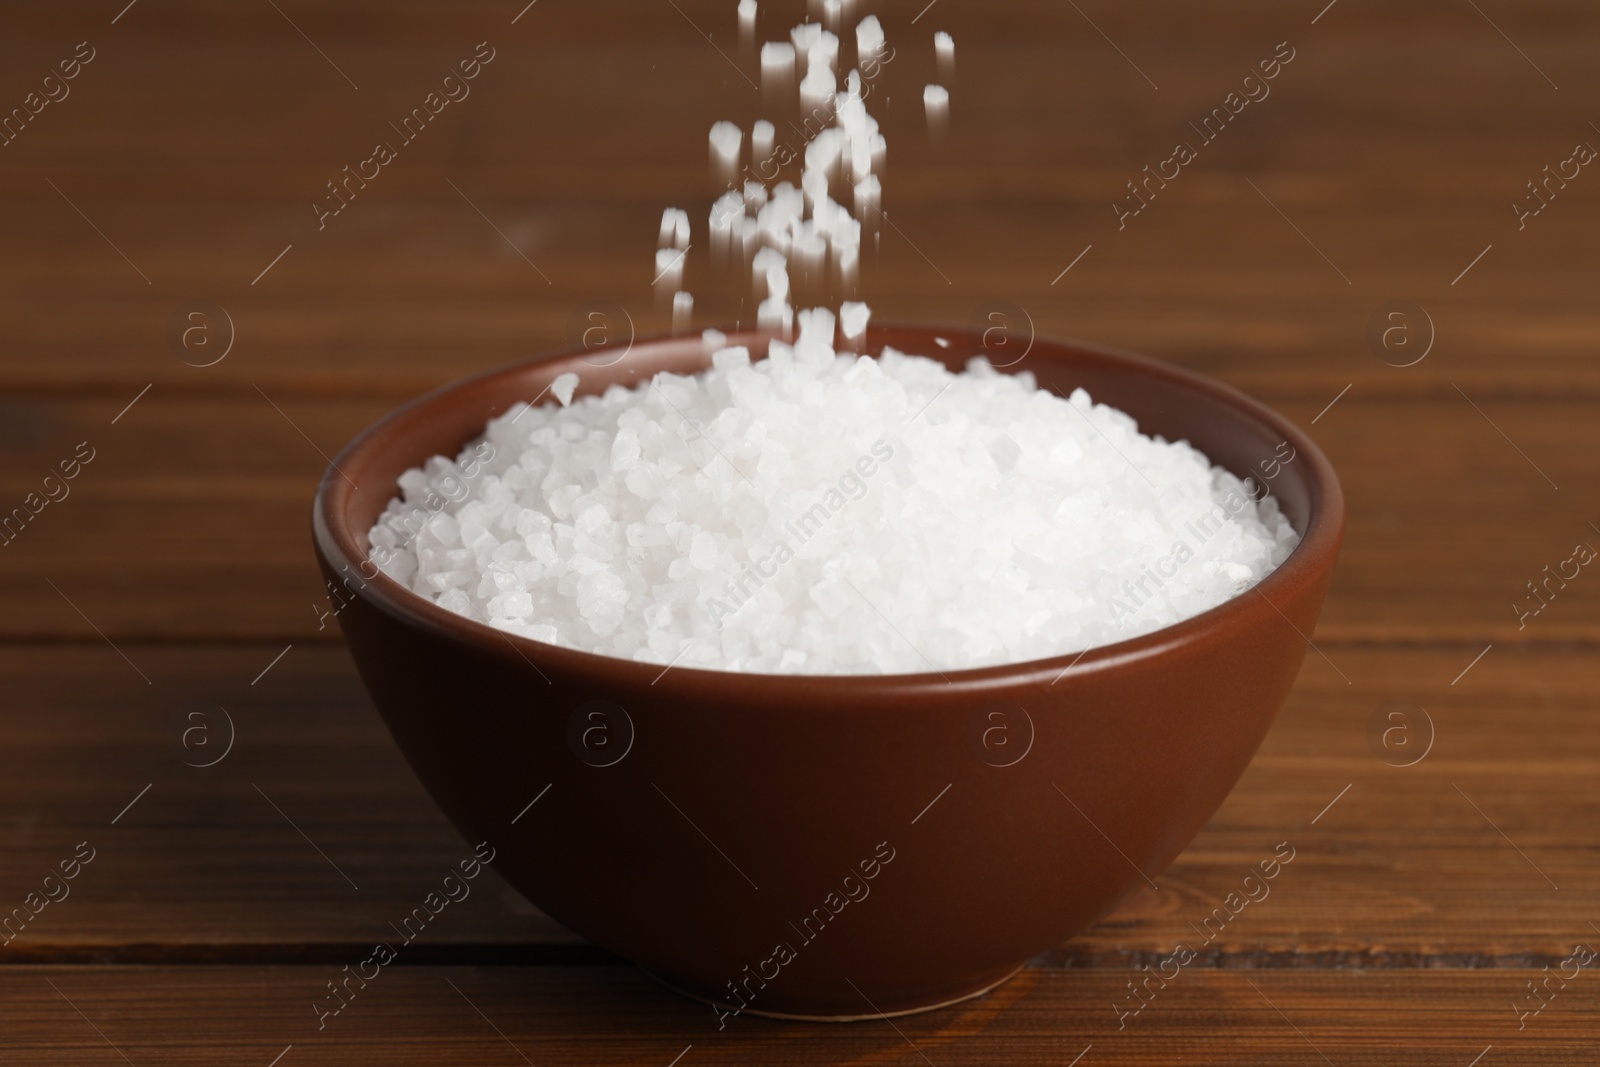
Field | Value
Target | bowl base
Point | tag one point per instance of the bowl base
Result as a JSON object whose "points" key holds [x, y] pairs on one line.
{"points": [[986, 986]]}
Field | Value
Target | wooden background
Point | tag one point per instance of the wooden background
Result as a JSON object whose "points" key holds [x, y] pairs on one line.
{"points": [[1382, 166]]}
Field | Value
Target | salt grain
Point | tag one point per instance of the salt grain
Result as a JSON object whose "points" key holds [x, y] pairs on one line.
{"points": [[777, 63], [936, 101], [763, 138], [944, 52], [869, 37], [726, 138], [853, 316], [674, 229], [669, 269], [563, 387]]}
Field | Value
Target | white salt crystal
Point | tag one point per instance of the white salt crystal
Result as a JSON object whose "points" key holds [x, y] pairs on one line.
{"points": [[669, 269], [1004, 450], [763, 138], [869, 37], [726, 213], [808, 248], [853, 316], [936, 101], [682, 310], [847, 261], [775, 314], [805, 37], [767, 259], [721, 520], [868, 194], [824, 153], [777, 63], [674, 228], [818, 86], [703, 551], [728, 358], [747, 18], [823, 51], [563, 386], [726, 137], [944, 52], [778, 282]]}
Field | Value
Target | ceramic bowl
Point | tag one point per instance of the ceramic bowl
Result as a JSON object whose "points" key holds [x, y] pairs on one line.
{"points": [[833, 846]]}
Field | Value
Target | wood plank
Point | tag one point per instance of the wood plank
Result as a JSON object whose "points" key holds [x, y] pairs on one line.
{"points": [[436, 1016], [208, 505], [1403, 871], [209, 856]]}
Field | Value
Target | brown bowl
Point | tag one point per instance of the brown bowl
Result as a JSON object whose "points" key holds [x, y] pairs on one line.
{"points": [[833, 846]]}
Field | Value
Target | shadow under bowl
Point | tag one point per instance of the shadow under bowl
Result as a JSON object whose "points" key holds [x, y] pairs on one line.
{"points": [[833, 846]]}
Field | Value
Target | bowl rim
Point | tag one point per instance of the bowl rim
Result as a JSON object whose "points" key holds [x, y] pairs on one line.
{"points": [[1316, 553]]}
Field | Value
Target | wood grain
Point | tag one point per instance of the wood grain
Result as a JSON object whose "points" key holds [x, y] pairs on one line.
{"points": [[1422, 898], [479, 1016], [1403, 871]]}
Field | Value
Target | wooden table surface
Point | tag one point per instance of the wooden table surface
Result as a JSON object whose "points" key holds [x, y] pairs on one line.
{"points": [[1440, 867]]}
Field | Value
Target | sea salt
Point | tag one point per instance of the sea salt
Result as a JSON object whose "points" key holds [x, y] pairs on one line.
{"points": [[853, 316], [818, 511], [825, 513], [674, 228], [725, 139], [563, 387], [669, 269], [944, 51], [936, 101], [777, 63], [869, 37], [763, 138]]}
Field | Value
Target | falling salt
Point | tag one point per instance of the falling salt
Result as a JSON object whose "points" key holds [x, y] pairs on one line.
{"points": [[777, 65], [669, 269], [674, 228], [726, 138], [936, 101], [869, 37], [763, 138], [853, 316], [818, 511], [944, 53]]}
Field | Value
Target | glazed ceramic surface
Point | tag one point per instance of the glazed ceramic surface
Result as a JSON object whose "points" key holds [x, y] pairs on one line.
{"points": [[833, 846]]}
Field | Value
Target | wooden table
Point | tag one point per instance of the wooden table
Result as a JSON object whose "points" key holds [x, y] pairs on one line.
{"points": [[1444, 859]]}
